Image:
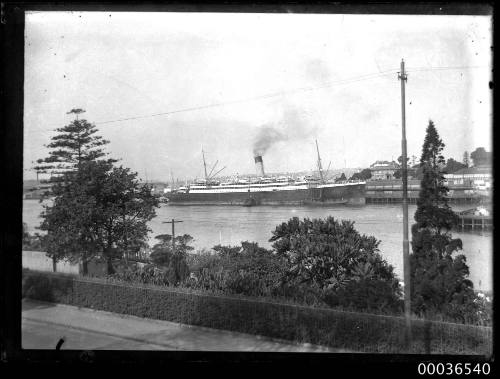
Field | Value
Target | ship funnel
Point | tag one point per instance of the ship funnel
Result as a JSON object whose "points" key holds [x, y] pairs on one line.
{"points": [[259, 166]]}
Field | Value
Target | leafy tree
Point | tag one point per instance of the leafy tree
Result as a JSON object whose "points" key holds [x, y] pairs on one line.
{"points": [[439, 279], [175, 262], [122, 209], [453, 166], [400, 160], [331, 255], [418, 172], [100, 214], [398, 174], [480, 157], [365, 174], [31, 242], [413, 160]]}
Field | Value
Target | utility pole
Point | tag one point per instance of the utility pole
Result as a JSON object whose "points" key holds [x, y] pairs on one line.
{"points": [[406, 245], [173, 231]]}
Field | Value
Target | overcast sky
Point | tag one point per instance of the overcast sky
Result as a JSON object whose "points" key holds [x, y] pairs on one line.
{"points": [[301, 77]]}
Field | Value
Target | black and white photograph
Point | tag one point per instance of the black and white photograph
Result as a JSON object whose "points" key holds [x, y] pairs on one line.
{"points": [[279, 182]]}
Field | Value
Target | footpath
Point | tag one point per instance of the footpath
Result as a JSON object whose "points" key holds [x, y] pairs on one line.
{"points": [[43, 324]]}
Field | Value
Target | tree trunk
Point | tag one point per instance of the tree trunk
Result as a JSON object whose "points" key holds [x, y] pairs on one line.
{"points": [[85, 267], [54, 264], [111, 270]]}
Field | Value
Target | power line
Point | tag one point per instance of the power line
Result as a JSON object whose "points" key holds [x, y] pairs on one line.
{"points": [[284, 92], [419, 69], [266, 96]]}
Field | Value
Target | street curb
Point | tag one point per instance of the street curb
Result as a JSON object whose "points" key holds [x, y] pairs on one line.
{"points": [[317, 348], [119, 336]]}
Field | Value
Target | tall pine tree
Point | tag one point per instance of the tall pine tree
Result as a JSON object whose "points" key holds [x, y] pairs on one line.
{"points": [[73, 145], [439, 279], [98, 210]]}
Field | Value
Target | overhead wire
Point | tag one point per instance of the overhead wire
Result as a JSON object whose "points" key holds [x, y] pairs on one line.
{"points": [[285, 92], [256, 98]]}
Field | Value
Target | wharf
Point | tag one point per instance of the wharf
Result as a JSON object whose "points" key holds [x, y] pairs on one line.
{"points": [[475, 222], [391, 191]]}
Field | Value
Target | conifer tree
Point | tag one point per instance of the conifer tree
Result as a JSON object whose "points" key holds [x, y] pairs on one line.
{"points": [[466, 159], [74, 144], [439, 279], [98, 210]]}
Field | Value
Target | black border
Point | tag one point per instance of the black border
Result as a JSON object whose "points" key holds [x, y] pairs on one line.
{"points": [[12, 23]]}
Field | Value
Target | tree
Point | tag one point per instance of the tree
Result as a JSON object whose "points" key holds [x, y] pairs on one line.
{"points": [[398, 174], [466, 159], [101, 213], [32, 242], [365, 174], [453, 166], [174, 262], [480, 157], [439, 279], [98, 210], [331, 256], [74, 144]]}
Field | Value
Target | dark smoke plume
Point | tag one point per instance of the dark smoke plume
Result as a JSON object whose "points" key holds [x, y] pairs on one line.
{"points": [[293, 126]]}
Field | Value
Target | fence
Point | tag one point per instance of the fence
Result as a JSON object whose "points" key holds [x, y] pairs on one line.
{"points": [[361, 332]]}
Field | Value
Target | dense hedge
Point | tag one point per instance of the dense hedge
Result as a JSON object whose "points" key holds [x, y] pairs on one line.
{"points": [[345, 330]]}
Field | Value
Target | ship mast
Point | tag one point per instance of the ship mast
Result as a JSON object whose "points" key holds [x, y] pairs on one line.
{"points": [[320, 169], [204, 164]]}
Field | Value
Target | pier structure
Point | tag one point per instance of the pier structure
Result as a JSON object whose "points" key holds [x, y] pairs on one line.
{"points": [[391, 191], [471, 222]]}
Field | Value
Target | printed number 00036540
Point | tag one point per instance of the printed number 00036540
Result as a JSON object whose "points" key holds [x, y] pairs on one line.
{"points": [[453, 368]]}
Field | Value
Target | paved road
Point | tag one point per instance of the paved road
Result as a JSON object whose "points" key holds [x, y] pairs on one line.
{"points": [[43, 324]]}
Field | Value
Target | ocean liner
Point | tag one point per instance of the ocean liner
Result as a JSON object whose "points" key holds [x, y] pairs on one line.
{"points": [[266, 190]]}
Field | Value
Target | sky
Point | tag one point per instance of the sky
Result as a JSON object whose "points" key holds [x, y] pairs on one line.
{"points": [[163, 86]]}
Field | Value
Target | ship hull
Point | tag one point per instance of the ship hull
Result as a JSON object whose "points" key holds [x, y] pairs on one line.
{"points": [[350, 194]]}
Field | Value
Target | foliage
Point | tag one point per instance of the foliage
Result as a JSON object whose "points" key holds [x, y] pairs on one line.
{"points": [[466, 160], [98, 210], [174, 262], [34, 242], [247, 269], [481, 157], [453, 166], [439, 281], [398, 174], [365, 174], [147, 274], [331, 256], [74, 144]]}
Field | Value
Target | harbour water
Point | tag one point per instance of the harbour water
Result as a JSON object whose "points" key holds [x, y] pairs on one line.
{"points": [[229, 225]]}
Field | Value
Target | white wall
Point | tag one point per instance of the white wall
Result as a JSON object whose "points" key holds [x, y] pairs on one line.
{"points": [[38, 260]]}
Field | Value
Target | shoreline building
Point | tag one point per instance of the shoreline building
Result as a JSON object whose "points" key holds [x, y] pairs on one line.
{"points": [[480, 178], [383, 170]]}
